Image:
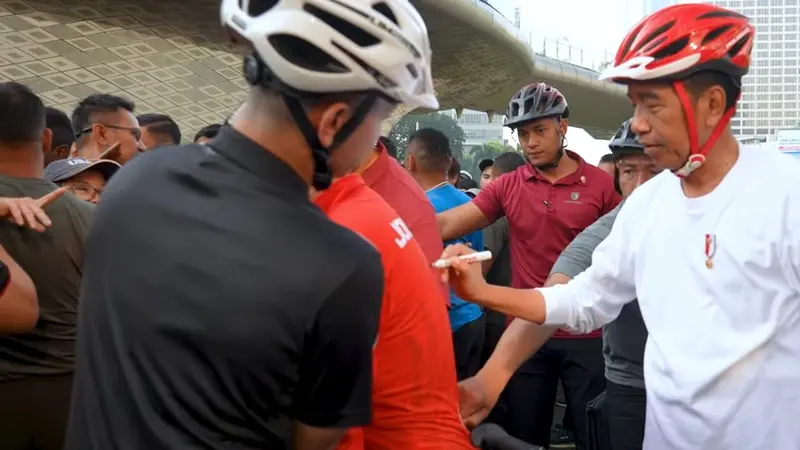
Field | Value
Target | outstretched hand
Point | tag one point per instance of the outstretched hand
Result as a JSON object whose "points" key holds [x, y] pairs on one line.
{"points": [[29, 212], [466, 278]]}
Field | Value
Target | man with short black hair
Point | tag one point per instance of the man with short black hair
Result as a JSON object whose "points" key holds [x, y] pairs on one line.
{"points": [[36, 367], [101, 121], [62, 135], [158, 130], [207, 133], [391, 149], [428, 159], [607, 163], [233, 313], [485, 167]]}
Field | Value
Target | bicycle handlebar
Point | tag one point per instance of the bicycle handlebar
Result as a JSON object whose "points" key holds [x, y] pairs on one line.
{"points": [[490, 436]]}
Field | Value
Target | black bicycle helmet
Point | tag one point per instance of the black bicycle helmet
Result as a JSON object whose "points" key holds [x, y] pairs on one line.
{"points": [[533, 102], [625, 141]]}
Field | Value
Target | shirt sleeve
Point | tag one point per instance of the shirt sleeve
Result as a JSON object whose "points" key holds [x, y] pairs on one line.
{"points": [[477, 241], [490, 199], [577, 257], [613, 200], [335, 381], [596, 296]]}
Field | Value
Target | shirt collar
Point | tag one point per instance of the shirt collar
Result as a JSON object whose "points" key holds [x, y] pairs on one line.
{"points": [[576, 177], [257, 160]]}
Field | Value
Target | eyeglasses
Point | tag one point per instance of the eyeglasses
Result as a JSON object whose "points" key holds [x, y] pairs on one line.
{"points": [[84, 191], [135, 132]]}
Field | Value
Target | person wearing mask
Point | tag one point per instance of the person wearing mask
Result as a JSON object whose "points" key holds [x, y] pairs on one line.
{"points": [[723, 347], [158, 130], [414, 391], [102, 121], [547, 203], [498, 269], [487, 174], [235, 314], [85, 179], [390, 180], [36, 366], [207, 133], [427, 159], [62, 135], [607, 164]]}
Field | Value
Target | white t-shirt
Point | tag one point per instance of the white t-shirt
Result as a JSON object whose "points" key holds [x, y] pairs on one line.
{"points": [[722, 361]]}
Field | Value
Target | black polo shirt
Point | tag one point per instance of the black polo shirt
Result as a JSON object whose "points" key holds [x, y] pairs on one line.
{"points": [[218, 305]]}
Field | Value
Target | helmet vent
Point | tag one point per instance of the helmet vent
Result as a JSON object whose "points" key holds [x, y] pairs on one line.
{"points": [[626, 47], [737, 47], [412, 70], [350, 31], [715, 33], [304, 54], [654, 44], [672, 49], [257, 7], [386, 11], [721, 14], [657, 33]]}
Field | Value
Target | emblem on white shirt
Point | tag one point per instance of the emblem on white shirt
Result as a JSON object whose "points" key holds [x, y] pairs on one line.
{"points": [[711, 249]]}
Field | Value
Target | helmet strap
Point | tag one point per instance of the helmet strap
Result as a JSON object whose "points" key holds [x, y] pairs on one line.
{"points": [[322, 172], [698, 153]]}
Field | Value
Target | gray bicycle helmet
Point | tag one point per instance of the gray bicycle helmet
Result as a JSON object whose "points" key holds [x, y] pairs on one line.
{"points": [[625, 141], [533, 102]]}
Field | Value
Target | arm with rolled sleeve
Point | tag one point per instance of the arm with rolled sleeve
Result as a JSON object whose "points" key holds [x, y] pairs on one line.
{"points": [[596, 296]]}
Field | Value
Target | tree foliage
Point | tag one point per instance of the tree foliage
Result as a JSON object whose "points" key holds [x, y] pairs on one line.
{"points": [[410, 123]]}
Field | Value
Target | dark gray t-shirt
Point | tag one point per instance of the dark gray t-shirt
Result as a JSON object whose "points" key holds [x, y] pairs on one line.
{"points": [[624, 338], [54, 261], [495, 238]]}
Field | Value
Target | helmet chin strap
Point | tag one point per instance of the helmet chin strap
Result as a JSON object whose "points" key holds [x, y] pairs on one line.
{"points": [[560, 154], [697, 153]]}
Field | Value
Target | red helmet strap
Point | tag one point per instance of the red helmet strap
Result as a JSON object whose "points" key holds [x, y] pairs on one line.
{"points": [[697, 154]]}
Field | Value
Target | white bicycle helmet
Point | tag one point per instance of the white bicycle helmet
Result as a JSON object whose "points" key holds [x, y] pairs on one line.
{"points": [[339, 46]]}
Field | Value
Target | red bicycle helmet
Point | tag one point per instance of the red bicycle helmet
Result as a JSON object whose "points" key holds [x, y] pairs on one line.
{"points": [[679, 41]]}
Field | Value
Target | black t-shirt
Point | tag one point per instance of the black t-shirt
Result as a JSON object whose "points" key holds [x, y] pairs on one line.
{"points": [[54, 261], [219, 304]]}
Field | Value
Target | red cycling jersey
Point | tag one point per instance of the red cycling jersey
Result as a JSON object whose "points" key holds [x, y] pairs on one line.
{"points": [[414, 393]]}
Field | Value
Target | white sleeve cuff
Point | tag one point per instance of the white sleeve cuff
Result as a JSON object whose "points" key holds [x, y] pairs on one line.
{"points": [[556, 310]]}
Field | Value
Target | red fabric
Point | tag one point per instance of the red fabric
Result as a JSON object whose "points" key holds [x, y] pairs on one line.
{"points": [[543, 217], [414, 390]]}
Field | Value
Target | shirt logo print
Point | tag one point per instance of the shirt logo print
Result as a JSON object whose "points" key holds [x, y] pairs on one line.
{"points": [[575, 196]]}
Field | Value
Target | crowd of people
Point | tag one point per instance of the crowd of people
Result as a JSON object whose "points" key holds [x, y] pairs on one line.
{"points": [[272, 284]]}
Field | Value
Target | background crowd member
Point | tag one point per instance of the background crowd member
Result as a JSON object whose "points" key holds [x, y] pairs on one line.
{"points": [[428, 157], [62, 135], [485, 166], [36, 367], [207, 133], [498, 269], [623, 339], [453, 174], [414, 391], [102, 120], [465, 181], [547, 203], [607, 164], [158, 130], [191, 334], [390, 180], [86, 179], [19, 308], [391, 149]]}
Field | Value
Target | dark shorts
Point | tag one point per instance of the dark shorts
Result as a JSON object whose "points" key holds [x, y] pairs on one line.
{"points": [[468, 346], [34, 412]]}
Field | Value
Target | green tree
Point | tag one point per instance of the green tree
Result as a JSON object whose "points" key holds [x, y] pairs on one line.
{"points": [[413, 122], [489, 150]]}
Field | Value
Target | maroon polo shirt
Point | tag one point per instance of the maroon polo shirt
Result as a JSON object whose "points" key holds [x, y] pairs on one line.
{"points": [[544, 217]]}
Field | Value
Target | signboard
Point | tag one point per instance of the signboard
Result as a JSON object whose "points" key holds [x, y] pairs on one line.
{"points": [[789, 142]]}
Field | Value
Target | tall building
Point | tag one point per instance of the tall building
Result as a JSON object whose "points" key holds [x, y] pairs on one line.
{"points": [[478, 130], [770, 92]]}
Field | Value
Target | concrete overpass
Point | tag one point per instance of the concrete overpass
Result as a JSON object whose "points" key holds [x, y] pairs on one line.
{"points": [[481, 59], [171, 57]]}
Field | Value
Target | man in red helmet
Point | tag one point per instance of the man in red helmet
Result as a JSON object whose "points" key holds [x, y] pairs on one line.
{"points": [[547, 202], [711, 250]]}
